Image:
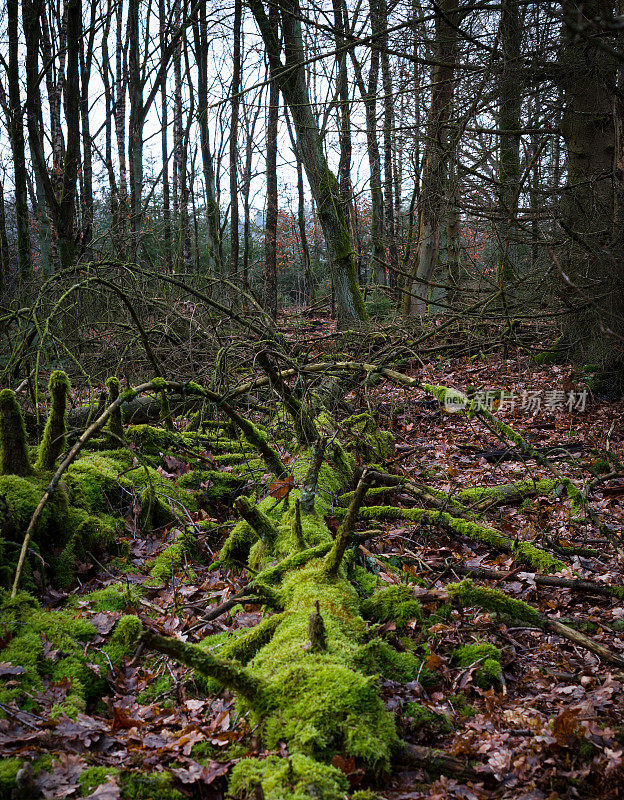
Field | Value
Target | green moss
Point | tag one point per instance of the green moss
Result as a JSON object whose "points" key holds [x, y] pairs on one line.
{"points": [[95, 480], [92, 777], [91, 534], [115, 423], [9, 767], [554, 355], [393, 603], [509, 491], [372, 444], [116, 597], [536, 558], [468, 594], [294, 778], [14, 455], [123, 642], [213, 485], [101, 482], [365, 580], [423, 718], [31, 627], [157, 691], [489, 672], [172, 558], [463, 709], [53, 441], [149, 786], [21, 497], [379, 658], [539, 559], [244, 646]]}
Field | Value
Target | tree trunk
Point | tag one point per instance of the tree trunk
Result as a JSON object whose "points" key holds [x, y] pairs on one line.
{"points": [[164, 121], [17, 146], [270, 228], [416, 298], [87, 162], [63, 209], [213, 247], [509, 124], [323, 183], [120, 122], [39, 201], [135, 128], [108, 135], [592, 257], [236, 82], [5, 264], [389, 218], [369, 96]]}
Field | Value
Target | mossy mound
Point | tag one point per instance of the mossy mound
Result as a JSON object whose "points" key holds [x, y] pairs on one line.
{"points": [[116, 597], [422, 718], [396, 603], [487, 655], [172, 559], [294, 778], [373, 445], [55, 646]]}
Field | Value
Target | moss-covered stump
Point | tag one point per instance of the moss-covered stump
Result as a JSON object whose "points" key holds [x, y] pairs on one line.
{"points": [[86, 510]]}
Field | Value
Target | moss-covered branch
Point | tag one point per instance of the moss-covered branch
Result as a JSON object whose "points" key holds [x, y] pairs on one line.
{"points": [[258, 520], [535, 557], [469, 594], [345, 531], [227, 673]]}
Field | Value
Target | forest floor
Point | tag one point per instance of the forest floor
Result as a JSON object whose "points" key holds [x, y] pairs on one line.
{"points": [[552, 728]]}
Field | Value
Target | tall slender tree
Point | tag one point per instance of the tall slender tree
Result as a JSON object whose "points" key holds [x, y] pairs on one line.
{"points": [[17, 144]]}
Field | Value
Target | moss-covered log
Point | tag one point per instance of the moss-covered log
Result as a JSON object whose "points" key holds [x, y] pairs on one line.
{"points": [[313, 666]]}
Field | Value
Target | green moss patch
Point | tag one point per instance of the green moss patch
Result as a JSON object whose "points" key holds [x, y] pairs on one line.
{"points": [[294, 778], [393, 604], [487, 655]]}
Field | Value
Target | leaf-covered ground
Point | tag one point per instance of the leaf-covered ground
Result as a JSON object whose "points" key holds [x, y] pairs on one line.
{"points": [[550, 727]]}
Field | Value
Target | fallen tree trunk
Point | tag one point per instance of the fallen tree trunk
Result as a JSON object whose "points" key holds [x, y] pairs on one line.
{"points": [[307, 674]]}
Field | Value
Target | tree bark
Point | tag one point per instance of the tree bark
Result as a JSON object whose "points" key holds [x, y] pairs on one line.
{"points": [[87, 160], [164, 121], [135, 128], [235, 92], [121, 83], [389, 217], [592, 256], [17, 146], [509, 123], [369, 96], [270, 228], [213, 246]]}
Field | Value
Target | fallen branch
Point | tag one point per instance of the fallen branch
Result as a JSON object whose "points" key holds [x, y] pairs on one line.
{"points": [[469, 594], [575, 584]]}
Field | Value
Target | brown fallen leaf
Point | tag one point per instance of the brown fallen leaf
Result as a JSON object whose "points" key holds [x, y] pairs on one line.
{"points": [[106, 791], [279, 489], [205, 774]]}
